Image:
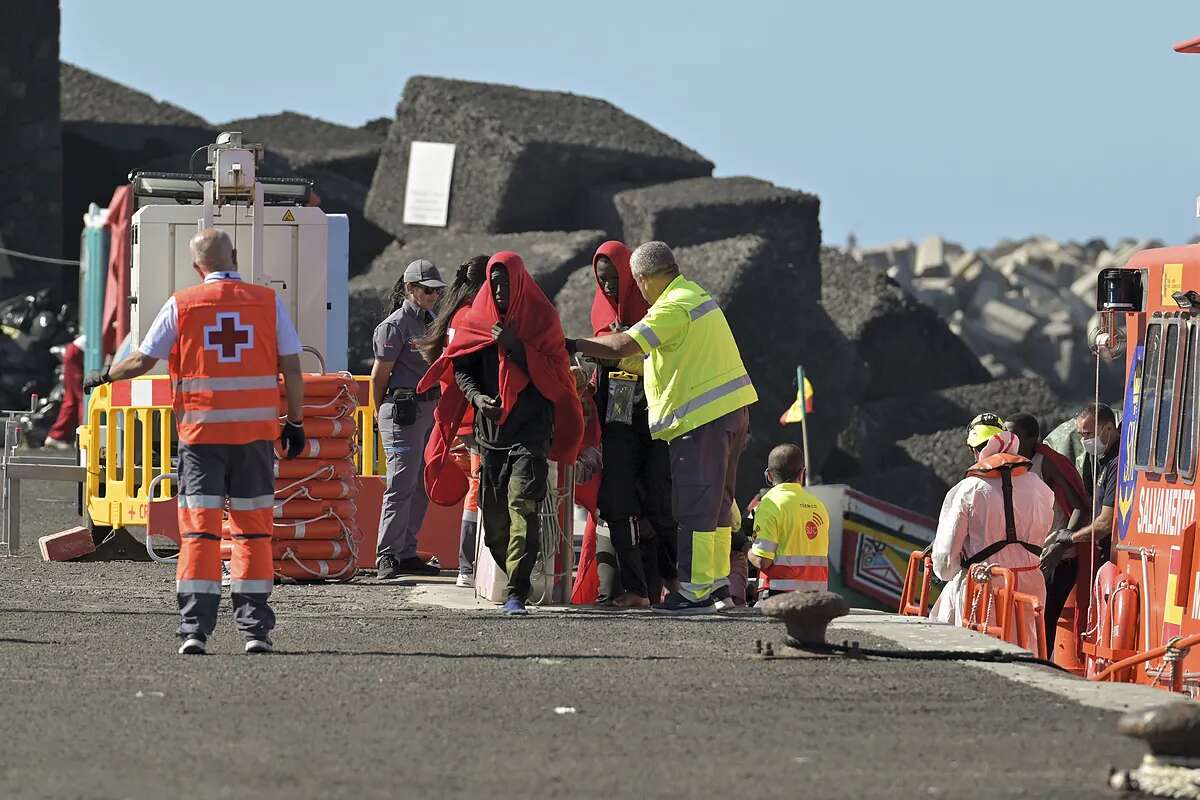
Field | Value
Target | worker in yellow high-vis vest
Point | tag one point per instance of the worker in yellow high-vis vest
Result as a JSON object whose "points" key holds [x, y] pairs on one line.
{"points": [[698, 391]]}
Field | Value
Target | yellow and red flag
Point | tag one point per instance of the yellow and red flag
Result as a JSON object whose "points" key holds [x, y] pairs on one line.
{"points": [[803, 404]]}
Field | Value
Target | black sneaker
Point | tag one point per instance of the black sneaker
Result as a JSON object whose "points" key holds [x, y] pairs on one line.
{"points": [[722, 599], [387, 568], [415, 566], [676, 605]]}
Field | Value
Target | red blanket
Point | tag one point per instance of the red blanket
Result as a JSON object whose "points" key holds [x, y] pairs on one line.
{"points": [[630, 306], [538, 327], [1064, 468]]}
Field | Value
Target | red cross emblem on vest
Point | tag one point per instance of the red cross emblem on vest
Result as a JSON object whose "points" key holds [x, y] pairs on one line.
{"points": [[228, 337]]}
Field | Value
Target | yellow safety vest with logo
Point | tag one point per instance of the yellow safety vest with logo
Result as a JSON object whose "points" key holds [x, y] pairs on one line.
{"points": [[791, 527], [694, 372]]}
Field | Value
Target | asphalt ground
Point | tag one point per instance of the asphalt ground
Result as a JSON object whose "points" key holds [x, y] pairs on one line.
{"points": [[373, 695]]}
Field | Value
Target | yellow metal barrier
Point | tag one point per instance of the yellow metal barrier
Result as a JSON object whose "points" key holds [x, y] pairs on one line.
{"points": [[127, 445]]}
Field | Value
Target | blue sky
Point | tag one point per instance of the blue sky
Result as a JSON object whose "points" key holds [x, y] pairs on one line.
{"points": [[977, 121]]}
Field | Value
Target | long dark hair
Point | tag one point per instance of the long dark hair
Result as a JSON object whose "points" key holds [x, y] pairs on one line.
{"points": [[467, 280]]}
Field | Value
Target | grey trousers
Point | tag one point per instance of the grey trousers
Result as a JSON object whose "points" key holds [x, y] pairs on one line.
{"points": [[704, 465], [404, 499]]}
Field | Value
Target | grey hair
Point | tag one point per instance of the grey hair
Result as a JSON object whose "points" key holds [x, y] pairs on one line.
{"points": [[212, 248], [652, 258]]}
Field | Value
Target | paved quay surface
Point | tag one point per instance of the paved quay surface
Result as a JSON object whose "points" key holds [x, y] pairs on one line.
{"points": [[386, 690]]}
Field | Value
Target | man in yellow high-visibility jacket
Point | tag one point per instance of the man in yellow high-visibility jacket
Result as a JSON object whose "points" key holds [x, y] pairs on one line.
{"points": [[698, 391]]}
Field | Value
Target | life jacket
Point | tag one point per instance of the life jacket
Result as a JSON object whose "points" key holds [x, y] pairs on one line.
{"points": [[1004, 466], [224, 366]]}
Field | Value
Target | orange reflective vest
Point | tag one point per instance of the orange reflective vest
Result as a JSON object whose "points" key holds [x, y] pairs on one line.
{"points": [[225, 364]]}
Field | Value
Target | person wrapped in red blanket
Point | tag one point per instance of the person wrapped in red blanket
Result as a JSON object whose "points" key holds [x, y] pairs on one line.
{"points": [[635, 488], [509, 363]]}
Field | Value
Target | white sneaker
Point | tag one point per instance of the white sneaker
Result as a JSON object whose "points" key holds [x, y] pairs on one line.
{"points": [[57, 444], [465, 581], [226, 576], [259, 646], [193, 646]]}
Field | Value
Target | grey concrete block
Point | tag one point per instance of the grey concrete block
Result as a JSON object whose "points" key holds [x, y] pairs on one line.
{"points": [[902, 342], [549, 256], [698, 210], [308, 142], [931, 258], [525, 159]]}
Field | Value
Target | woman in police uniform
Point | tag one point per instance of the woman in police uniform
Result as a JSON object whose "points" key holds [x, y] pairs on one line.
{"points": [[404, 418]]}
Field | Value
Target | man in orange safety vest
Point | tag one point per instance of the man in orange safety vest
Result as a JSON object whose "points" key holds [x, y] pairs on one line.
{"points": [[226, 341]]}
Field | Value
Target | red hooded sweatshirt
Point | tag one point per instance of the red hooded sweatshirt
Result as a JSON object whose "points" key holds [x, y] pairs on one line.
{"points": [[630, 306], [538, 328]]}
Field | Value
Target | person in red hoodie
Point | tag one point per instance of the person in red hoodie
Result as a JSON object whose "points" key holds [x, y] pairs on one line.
{"points": [[453, 306], [636, 482], [510, 364]]}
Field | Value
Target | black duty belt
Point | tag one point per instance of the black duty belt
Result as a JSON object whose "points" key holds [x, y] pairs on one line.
{"points": [[395, 395]]}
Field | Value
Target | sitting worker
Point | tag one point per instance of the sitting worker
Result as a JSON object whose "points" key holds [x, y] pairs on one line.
{"points": [[791, 529], [1054, 468], [1097, 424], [227, 341], [999, 514], [636, 482], [455, 302], [404, 418], [509, 363]]}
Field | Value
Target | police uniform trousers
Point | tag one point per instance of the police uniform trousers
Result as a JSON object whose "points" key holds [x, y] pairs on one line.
{"points": [[404, 498], [704, 465], [210, 474]]}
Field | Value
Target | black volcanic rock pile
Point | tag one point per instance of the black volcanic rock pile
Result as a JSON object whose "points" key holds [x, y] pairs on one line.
{"points": [[551, 175], [30, 143]]}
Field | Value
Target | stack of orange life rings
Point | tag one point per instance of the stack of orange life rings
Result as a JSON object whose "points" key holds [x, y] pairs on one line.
{"points": [[316, 537]]}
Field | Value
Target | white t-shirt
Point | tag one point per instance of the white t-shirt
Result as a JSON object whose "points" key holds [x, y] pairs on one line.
{"points": [[164, 331]]}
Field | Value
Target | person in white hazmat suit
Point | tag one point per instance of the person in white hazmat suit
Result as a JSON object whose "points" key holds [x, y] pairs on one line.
{"points": [[979, 524]]}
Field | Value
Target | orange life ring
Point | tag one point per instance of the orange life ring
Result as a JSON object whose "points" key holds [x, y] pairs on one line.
{"points": [[303, 549], [290, 529], [297, 468], [333, 569], [336, 428], [321, 448], [318, 490], [307, 509], [326, 386]]}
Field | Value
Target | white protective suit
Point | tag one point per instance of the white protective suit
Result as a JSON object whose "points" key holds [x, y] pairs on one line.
{"points": [[972, 518]]}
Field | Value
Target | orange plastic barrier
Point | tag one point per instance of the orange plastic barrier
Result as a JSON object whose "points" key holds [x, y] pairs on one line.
{"points": [[918, 562], [1000, 610]]}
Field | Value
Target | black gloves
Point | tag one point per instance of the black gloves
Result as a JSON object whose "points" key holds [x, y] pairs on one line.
{"points": [[486, 406], [572, 346], [292, 438], [96, 379]]}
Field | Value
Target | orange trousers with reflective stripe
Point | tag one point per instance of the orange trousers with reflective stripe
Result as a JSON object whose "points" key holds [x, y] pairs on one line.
{"points": [[210, 476]]}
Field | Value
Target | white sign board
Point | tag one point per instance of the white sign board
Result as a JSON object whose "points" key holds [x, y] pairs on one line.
{"points": [[427, 191]]}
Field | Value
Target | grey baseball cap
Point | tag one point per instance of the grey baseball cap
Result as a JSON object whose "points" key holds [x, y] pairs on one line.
{"points": [[424, 272]]}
